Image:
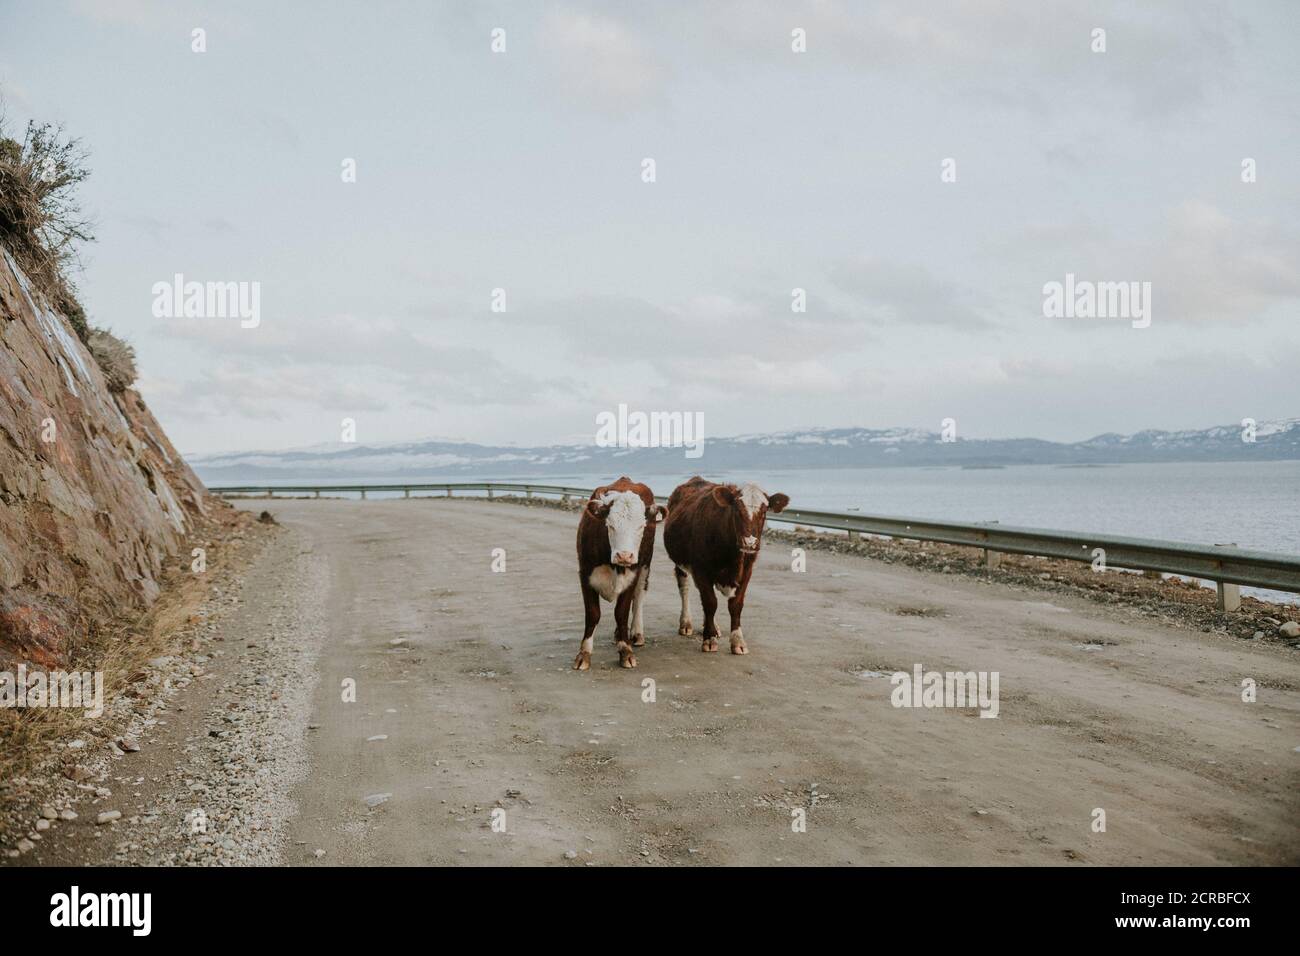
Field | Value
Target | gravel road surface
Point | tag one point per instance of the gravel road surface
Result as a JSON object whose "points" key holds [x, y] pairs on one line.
{"points": [[371, 691], [466, 703]]}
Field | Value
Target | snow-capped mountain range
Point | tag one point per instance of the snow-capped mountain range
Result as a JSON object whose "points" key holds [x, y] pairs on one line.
{"points": [[806, 448]]}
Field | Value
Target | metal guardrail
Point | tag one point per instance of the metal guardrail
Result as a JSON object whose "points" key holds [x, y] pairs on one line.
{"points": [[1224, 564]]}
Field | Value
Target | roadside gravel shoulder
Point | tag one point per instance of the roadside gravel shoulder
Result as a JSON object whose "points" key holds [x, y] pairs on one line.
{"points": [[214, 737]]}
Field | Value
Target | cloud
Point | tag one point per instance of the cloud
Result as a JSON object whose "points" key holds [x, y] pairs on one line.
{"points": [[737, 374], [226, 391], [345, 361], [599, 63], [1210, 267], [1034, 55], [758, 325], [901, 294]]}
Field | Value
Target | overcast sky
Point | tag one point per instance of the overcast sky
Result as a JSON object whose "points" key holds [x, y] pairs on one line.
{"points": [[775, 170]]}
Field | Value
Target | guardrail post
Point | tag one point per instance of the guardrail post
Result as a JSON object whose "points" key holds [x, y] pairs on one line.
{"points": [[268, 493], [317, 494], [530, 492], [449, 491], [489, 492], [406, 492], [1229, 595], [992, 559]]}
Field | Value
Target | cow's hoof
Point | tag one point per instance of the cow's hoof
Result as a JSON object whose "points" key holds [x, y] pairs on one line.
{"points": [[583, 661], [685, 629], [627, 660], [709, 645], [638, 640], [738, 647]]}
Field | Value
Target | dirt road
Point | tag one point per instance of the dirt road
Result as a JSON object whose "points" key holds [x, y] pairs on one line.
{"points": [[465, 702]]}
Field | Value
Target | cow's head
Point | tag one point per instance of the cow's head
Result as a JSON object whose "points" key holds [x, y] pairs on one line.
{"points": [[748, 506], [625, 516]]}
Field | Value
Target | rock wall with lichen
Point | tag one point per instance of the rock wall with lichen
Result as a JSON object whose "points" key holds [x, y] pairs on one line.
{"points": [[93, 497]]}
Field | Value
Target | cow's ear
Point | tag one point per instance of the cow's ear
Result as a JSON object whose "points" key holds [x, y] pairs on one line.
{"points": [[724, 496], [593, 508], [656, 513], [777, 502]]}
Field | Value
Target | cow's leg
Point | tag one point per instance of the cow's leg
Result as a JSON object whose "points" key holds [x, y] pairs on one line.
{"points": [[684, 626], [591, 605], [638, 629], [709, 640], [735, 605], [622, 610]]}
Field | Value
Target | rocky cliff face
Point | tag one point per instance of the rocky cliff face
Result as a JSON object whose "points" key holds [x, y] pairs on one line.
{"points": [[93, 497]]}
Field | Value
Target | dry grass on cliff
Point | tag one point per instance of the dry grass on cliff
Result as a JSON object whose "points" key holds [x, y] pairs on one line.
{"points": [[41, 223], [115, 357]]}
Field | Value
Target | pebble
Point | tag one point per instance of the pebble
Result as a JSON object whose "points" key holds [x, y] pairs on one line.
{"points": [[49, 813], [570, 854], [108, 816], [375, 799]]}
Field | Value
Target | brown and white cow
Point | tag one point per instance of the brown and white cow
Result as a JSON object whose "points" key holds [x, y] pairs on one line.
{"points": [[616, 540], [713, 535]]}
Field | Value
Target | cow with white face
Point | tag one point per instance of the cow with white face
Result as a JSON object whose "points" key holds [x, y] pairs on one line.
{"points": [[713, 535], [616, 540]]}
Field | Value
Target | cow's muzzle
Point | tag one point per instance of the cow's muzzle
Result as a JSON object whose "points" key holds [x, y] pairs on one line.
{"points": [[625, 559]]}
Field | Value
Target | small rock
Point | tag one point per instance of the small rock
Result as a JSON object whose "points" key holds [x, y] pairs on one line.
{"points": [[25, 845], [42, 825], [570, 854], [108, 816], [376, 737], [375, 799], [68, 815], [49, 813], [129, 745], [318, 854], [1289, 629]]}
